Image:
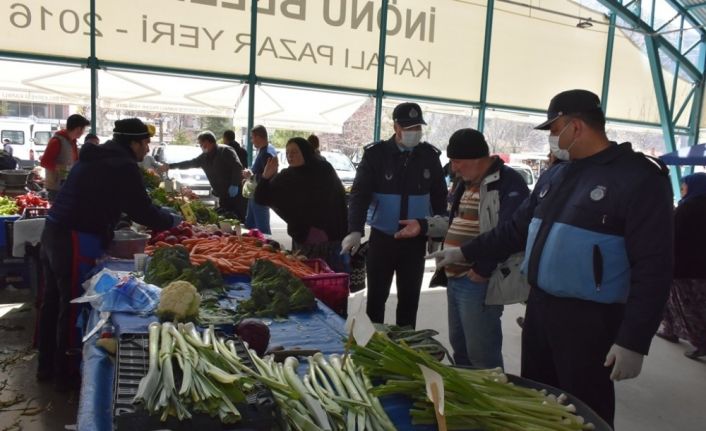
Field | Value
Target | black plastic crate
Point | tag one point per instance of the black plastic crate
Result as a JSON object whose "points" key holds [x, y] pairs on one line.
{"points": [[132, 363]]}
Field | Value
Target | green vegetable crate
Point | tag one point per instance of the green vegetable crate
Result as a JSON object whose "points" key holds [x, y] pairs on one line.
{"points": [[132, 363]]}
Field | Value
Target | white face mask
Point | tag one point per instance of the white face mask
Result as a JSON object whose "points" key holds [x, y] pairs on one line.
{"points": [[410, 138], [558, 152]]}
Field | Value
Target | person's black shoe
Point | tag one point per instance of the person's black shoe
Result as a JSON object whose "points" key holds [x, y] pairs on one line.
{"points": [[667, 337], [695, 354], [520, 321]]}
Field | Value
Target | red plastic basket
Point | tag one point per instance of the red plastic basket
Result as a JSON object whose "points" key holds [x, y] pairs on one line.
{"points": [[329, 287]]}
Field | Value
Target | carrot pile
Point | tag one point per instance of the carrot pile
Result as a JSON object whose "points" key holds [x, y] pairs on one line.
{"points": [[235, 255]]}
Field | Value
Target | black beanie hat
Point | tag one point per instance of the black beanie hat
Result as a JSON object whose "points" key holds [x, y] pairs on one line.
{"points": [[130, 129], [467, 144]]}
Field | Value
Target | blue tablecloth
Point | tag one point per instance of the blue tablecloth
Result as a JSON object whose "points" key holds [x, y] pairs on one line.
{"points": [[322, 329]]}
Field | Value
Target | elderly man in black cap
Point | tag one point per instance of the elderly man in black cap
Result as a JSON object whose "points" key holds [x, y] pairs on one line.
{"points": [[397, 179], [597, 235], [476, 291], [104, 183]]}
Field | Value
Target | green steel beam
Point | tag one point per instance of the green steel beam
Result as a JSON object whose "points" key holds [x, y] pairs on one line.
{"points": [[659, 40], [71, 61], [697, 107], [93, 64], [694, 6], [662, 104], [490, 6], [676, 118], [430, 99], [252, 77], [379, 87], [675, 81], [683, 11], [172, 71], [691, 48], [652, 14], [309, 85], [608, 64]]}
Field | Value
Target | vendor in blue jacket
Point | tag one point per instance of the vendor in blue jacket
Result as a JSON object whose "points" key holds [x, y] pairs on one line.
{"points": [[597, 235], [397, 179], [104, 183]]}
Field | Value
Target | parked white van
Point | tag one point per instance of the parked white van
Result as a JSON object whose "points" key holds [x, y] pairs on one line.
{"points": [[28, 138]]}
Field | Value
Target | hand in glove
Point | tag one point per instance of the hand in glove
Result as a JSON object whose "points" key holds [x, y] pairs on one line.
{"points": [[176, 220], [447, 256], [233, 191], [411, 229], [626, 363], [351, 243]]}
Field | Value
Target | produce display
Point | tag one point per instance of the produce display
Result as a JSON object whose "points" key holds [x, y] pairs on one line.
{"points": [[30, 200], [255, 333], [333, 395], [475, 399], [150, 178], [211, 377], [275, 293], [236, 255], [179, 301], [17, 205], [173, 263], [7, 206], [421, 340]]}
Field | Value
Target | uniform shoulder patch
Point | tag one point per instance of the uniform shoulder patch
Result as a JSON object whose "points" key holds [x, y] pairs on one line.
{"points": [[431, 147], [656, 163], [371, 145]]}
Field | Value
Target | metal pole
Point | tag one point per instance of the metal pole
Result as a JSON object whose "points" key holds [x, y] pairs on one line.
{"points": [[608, 63], [486, 64], [93, 65], [379, 93], [252, 77]]}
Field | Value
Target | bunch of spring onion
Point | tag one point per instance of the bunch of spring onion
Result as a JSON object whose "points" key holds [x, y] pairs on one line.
{"points": [[481, 399], [422, 339], [213, 378], [333, 395]]}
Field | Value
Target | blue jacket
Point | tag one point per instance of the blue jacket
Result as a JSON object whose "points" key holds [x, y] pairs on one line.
{"points": [[597, 229], [392, 185], [263, 154], [104, 183]]}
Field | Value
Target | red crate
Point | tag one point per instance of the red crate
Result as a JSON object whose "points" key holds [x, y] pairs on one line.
{"points": [[329, 287]]}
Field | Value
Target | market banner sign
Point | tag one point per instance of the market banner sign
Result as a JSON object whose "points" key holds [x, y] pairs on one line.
{"points": [[433, 48]]}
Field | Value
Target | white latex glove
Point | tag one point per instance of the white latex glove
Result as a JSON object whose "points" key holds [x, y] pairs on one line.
{"points": [[626, 363], [351, 243], [447, 256]]}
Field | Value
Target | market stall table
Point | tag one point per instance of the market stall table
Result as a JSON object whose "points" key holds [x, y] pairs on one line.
{"points": [[321, 329]]}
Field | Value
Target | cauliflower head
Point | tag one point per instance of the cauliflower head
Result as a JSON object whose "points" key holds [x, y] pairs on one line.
{"points": [[179, 301]]}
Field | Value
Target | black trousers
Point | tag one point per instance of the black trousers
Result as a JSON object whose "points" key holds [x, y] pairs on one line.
{"points": [[564, 344], [237, 206], [388, 256], [54, 314]]}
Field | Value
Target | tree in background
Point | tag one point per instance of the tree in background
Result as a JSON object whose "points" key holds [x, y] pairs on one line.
{"points": [[182, 137], [217, 125], [280, 137]]}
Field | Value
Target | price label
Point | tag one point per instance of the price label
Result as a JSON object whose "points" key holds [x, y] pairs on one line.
{"points": [[188, 213]]}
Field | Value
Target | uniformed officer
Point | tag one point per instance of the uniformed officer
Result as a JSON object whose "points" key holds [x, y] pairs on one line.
{"points": [[597, 235], [397, 179]]}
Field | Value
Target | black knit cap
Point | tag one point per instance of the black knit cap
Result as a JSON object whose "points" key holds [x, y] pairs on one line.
{"points": [[467, 144], [130, 129]]}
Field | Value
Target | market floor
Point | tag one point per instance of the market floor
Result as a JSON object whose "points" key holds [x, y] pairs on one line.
{"points": [[26, 405]]}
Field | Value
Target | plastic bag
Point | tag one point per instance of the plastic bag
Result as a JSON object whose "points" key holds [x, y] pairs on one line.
{"points": [[131, 295], [107, 291]]}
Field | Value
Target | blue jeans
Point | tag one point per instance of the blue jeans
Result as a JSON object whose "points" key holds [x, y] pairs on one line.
{"points": [[475, 332], [258, 217]]}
